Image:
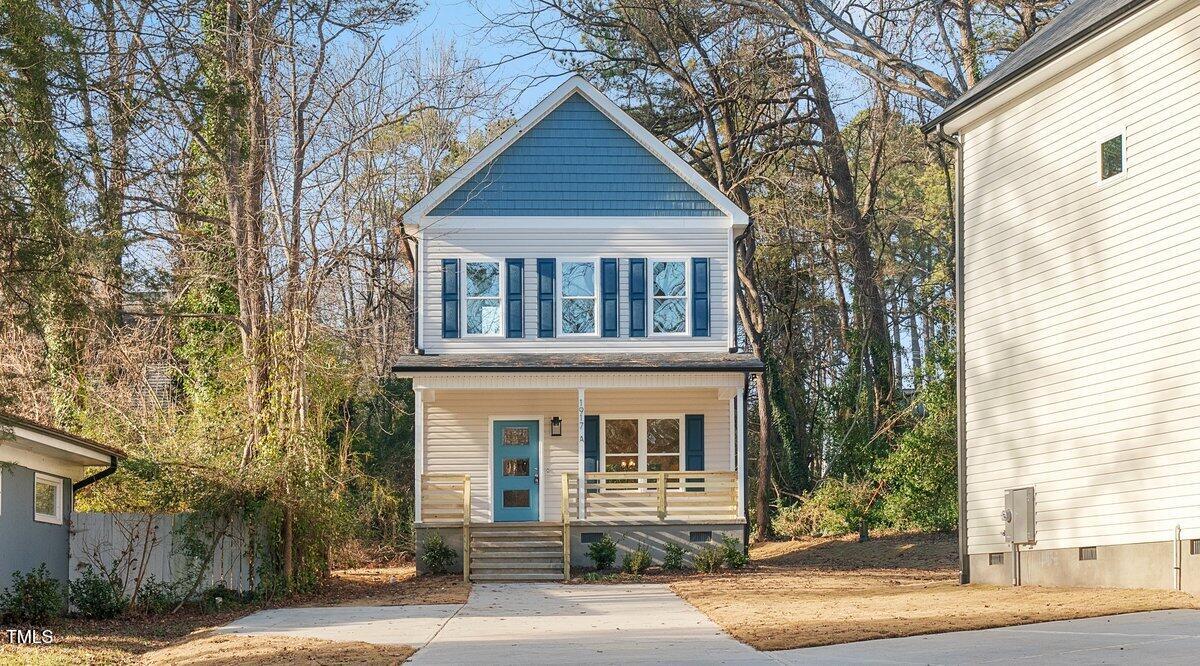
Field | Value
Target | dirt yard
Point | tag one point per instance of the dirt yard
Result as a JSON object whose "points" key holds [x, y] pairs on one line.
{"points": [[187, 638], [826, 591]]}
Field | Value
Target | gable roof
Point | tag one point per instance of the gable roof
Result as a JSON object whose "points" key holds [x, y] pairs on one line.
{"points": [[671, 191], [14, 421], [1077, 23]]}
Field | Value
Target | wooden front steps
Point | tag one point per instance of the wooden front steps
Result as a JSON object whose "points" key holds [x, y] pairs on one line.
{"points": [[516, 552]]}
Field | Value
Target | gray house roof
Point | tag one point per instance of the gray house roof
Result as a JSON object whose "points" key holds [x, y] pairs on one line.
{"points": [[606, 362], [1075, 24], [21, 422]]}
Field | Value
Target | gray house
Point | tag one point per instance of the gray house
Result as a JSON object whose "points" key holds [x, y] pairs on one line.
{"points": [[41, 468]]}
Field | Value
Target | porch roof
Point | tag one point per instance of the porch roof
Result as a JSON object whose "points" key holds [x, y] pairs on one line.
{"points": [[597, 362]]}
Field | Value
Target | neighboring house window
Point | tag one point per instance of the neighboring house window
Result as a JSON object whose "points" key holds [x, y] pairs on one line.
{"points": [[483, 297], [1112, 157], [646, 444], [47, 499], [577, 297], [670, 296]]}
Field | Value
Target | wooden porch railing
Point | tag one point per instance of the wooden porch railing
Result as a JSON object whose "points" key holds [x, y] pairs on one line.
{"points": [[640, 496], [446, 499]]}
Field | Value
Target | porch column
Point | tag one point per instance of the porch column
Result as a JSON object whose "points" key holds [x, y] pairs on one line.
{"points": [[582, 457], [740, 411], [418, 449]]}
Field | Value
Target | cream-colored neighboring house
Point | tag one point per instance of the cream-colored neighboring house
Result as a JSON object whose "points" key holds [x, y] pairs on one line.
{"points": [[576, 331], [1078, 257]]}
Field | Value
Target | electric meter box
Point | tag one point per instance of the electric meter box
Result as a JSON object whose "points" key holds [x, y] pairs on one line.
{"points": [[1019, 523]]}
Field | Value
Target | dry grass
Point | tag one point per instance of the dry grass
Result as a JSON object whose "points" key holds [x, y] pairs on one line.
{"points": [[826, 591], [225, 650], [187, 638], [390, 586]]}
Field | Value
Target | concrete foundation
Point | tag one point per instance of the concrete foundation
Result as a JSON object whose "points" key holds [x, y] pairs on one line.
{"points": [[654, 537], [451, 535], [1139, 565], [693, 537]]}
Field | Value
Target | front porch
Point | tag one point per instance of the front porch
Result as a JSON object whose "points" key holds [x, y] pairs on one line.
{"points": [[648, 458]]}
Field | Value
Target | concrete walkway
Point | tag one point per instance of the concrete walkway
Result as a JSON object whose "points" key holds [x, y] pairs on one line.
{"points": [[1159, 637], [593, 624]]}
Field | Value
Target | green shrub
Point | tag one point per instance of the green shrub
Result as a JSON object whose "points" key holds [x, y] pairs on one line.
{"points": [[33, 597], [437, 557], [157, 597], [673, 559], [98, 596], [637, 561], [836, 507], [219, 597], [709, 559], [734, 553], [603, 552]]}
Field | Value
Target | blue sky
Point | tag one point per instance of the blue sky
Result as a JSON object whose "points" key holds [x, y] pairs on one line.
{"points": [[467, 23]]}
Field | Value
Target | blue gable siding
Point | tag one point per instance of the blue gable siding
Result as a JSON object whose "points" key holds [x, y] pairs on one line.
{"points": [[576, 162]]}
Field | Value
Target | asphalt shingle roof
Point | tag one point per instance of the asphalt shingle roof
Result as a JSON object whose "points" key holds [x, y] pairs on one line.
{"points": [[606, 362], [1076, 23]]}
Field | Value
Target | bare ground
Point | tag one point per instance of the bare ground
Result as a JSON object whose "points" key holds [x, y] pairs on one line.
{"points": [[826, 591], [187, 637]]}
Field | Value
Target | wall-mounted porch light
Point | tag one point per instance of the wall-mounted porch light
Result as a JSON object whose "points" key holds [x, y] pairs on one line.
{"points": [[556, 427]]}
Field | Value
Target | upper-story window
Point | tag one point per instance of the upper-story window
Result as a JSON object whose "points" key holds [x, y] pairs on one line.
{"points": [[670, 296], [1112, 157], [483, 297], [577, 297]]}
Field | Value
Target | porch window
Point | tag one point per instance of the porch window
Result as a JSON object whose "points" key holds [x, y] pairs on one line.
{"points": [[662, 445], [47, 499], [669, 286], [645, 444], [621, 445], [577, 296], [483, 297]]}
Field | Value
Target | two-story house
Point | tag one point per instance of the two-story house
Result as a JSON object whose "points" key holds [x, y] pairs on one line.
{"points": [[576, 371], [1079, 350]]}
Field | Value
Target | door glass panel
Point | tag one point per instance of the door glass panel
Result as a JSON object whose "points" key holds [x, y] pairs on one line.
{"points": [[516, 437], [516, 499], [516, 467]]}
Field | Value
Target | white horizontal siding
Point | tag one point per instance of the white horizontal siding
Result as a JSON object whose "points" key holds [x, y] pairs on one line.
{"points": [[457, 431], [1081, 300], [664, 239]]}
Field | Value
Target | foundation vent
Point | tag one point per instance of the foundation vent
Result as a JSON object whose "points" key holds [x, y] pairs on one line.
{"points": [[700, 537], [591, 537], [1195, 546], [1087, 553], [995, 558]]}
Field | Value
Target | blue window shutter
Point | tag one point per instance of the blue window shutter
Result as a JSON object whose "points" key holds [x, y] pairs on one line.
{"points": [[450, 301], [693, 427], [545, 298], [700, 301], [637, 298], [591, 443], [608, 303], [515, 305]]}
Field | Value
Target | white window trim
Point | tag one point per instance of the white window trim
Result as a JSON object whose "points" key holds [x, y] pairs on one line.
{"points": [[502, 292], [57, 517], [687, 296], [558, 296], [642, 452], [1109, 133]]}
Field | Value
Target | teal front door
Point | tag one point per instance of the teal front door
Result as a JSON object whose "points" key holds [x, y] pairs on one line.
{"points": [[515, 471]]}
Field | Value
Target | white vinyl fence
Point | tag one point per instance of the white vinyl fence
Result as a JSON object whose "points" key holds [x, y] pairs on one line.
{"points": [[138, 546]]}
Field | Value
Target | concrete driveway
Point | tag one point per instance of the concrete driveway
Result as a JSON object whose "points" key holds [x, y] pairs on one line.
{"points": [[593, 624]]}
